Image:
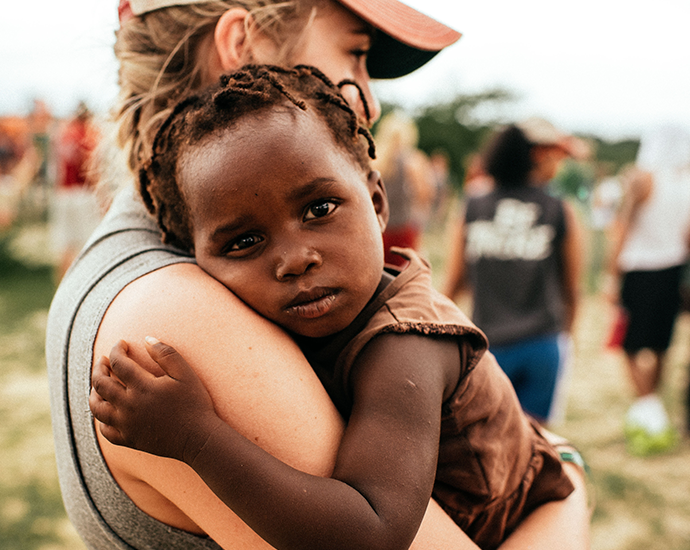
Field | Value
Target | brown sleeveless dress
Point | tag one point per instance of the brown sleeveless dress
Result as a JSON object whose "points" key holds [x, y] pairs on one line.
{"points": [[494, 467]]}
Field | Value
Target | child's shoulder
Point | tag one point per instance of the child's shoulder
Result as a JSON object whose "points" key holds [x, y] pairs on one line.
{"points": [[410, 305]]}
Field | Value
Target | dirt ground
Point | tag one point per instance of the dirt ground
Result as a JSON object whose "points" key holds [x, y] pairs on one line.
{"points": [[638, 503]]}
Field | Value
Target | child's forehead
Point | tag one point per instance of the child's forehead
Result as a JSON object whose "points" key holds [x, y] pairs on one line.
{"points": [[281, 137], [260, 126]]}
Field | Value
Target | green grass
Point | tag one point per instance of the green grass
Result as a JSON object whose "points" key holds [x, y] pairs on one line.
{"points": [[32, 515]]}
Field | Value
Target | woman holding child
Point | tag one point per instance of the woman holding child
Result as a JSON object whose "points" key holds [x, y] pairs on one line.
{"points": [[129, 285]]}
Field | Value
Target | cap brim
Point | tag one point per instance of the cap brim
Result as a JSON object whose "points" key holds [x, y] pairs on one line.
{"points": [[407, 39], [389, 58]]}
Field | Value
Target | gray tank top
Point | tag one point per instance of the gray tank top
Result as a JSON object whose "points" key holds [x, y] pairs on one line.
{"points": [[125, 246]]}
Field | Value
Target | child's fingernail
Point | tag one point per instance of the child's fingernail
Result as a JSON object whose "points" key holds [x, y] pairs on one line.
{"points": [[151, 341]]}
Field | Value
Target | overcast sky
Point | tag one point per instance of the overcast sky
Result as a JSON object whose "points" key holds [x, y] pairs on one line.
{"points": [[612, 67]]}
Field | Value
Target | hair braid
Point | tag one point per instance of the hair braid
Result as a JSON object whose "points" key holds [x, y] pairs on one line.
{"points": [[362, 98]]}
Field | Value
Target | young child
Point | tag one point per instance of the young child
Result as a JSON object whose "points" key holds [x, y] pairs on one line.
{"points": [[267, 180]]}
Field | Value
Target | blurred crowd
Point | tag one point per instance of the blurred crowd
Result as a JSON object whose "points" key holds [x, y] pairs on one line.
{"points": [[44, 170], [522, 249]]}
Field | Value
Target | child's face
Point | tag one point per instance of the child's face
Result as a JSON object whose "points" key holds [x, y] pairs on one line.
{"points": [[286, 219]]}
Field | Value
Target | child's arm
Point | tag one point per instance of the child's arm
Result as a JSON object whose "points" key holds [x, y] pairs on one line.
{"points": [[385, 468]]}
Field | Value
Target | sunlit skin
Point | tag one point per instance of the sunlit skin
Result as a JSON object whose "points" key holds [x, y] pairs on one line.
{"points": [[337, 42], [280, 214], [547, 160]]}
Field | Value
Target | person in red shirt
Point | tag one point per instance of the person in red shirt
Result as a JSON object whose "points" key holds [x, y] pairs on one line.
{"points": [[74, 211]]}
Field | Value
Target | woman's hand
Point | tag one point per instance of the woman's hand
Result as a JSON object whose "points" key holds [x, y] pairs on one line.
{"points": [[170, 415]]}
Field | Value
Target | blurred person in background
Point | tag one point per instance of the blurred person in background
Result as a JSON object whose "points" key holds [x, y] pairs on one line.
{"points": [[10, 155], [439, 162], [517, 249], [604, 203], [648, 251], [408, 178], [41, 128], [74, 212], [24, 142], [477, 182]]}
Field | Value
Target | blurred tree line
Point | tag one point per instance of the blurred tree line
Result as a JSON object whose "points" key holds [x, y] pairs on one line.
{"points": [[454, 127]]}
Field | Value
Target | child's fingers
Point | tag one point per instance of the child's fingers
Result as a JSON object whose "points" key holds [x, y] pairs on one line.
{"points": [[103, 383], [106, 414], [113, 435], [108, 388], [101, 369], [130, 373], [102, 410], [169, 360]]}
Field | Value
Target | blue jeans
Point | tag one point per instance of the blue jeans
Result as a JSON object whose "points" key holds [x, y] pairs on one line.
{"points": [[533, 367]]}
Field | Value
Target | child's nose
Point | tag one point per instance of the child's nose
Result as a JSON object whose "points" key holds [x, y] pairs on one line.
{"points": [[296, 261]]}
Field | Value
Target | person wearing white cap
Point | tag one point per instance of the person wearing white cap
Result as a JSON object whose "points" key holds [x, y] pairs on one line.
{"points": [[127, 284]]}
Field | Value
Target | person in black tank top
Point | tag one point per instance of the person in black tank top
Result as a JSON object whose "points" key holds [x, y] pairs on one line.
{"points": [[517, 249]]}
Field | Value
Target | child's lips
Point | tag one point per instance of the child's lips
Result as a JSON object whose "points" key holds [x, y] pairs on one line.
{"points": [[312, 304]]}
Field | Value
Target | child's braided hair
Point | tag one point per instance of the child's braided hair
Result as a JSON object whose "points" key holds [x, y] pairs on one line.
{"points": [[253, 88]]}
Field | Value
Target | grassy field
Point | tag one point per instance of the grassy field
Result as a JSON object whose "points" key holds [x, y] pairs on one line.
{"points": [[31, 512], [640, 503]]}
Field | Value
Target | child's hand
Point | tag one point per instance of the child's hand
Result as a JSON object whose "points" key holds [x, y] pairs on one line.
{"points": [[170, 415]]}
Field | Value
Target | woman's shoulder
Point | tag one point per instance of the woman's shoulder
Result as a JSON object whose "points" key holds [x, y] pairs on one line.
{"points": [[181, 304]]}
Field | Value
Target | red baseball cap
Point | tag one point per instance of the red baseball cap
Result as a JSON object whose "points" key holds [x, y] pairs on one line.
{"points": [[406, 41]]}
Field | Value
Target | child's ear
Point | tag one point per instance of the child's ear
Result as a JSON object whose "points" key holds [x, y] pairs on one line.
{"points": [[379, 198]]}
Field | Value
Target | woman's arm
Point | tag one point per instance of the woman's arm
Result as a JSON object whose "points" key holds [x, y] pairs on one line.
{"points": [[292, 509], [572, 255], [264, 407], [455, 272], [392, 436], [562, 524]]}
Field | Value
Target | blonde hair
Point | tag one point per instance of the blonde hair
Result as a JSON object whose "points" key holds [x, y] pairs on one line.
{"points": [[396, 133], [160, 55]]}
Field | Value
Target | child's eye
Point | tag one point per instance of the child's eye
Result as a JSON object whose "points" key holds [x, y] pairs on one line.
{"points": [[320, 209], [243, 242]]}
